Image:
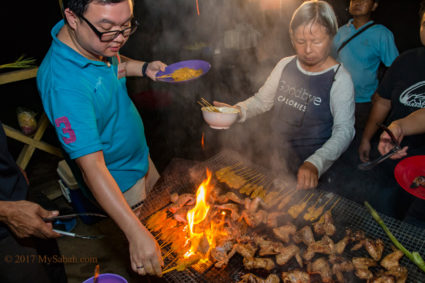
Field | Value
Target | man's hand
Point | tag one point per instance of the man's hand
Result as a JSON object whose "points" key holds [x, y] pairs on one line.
{"points": [[145, 254], [153, 68], [308, 176], [25, 219], [385, 144], [364, 150]]}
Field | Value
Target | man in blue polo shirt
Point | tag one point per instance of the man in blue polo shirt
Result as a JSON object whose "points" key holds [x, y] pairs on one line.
{"points": [[364, 53], [83, 89]]}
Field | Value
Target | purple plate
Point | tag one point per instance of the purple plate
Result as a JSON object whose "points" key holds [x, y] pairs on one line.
{"points": [[193, 64]]}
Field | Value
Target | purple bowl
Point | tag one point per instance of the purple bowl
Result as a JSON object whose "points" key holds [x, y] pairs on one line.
{"points": [[107, 278]]}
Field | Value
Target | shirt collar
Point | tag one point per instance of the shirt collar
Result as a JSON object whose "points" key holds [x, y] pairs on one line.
{"points": [[350, 24], [68, 52]]}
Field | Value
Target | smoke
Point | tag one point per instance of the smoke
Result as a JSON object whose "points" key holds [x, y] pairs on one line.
{"points": [[242, 43]]}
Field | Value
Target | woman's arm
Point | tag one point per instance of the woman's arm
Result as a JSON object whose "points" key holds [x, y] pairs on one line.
{"points": [[263, 100]]}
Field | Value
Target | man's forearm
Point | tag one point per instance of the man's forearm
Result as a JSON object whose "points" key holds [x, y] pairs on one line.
{"points": [[107, 193], [380, 109]]}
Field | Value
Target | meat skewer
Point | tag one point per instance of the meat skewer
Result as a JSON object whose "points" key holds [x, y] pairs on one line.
{"points": [[296, 209]]}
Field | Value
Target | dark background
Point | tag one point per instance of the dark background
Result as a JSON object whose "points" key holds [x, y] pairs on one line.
{"points": [[173, 122]]}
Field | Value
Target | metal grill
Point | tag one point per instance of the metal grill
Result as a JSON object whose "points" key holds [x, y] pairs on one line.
{"points": [[180, 176]]}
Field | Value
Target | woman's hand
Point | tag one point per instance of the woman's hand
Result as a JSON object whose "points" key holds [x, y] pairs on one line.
{"points": [[385, 144], [222, 104], [153, 68], [307, 177], [364, 150], [145, 253]]}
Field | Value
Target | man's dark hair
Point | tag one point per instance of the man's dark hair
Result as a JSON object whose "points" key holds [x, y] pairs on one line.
{"points": [[421, 9], [79, 7]]}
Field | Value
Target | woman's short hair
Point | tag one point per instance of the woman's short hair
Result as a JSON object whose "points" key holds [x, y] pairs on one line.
{"points": [[315, 12]]}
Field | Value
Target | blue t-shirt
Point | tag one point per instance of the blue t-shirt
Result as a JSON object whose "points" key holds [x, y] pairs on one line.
{"points": [[91, 111], [362, 56]]}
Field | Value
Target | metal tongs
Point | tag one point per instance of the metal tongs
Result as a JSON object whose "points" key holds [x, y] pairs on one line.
{"points": [[370, 164], [70, 216]]}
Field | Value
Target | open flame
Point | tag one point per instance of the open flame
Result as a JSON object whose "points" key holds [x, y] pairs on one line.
{"points": [[203, 229], [197, 215], [203, 141]]}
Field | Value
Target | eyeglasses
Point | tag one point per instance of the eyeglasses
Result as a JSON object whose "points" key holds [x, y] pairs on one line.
{"points": [[111, 35]]}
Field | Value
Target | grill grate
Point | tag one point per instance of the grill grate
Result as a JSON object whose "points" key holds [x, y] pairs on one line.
{"points": [[184, 176]]}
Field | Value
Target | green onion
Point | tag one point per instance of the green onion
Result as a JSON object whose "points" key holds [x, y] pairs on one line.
{"points": [[20, 63], [415, 257]]}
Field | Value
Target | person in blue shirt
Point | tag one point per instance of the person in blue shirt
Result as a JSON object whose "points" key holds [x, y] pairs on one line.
{"points": [[83, 89], [363, 54]]}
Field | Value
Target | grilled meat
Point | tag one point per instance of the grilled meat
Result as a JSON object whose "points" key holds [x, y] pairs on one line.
{"points": [[362, 264], [321, 266], [258, 262], [304, 235], [178, 201], [324, 246], [374, 248], [340, 246], [392, 260], [251, 278], [286, 253], [295, 276], [325, 225], [284, 232]]}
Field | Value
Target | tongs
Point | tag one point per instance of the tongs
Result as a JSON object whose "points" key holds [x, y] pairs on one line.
{"points": [[70, 216], [370, 164]]}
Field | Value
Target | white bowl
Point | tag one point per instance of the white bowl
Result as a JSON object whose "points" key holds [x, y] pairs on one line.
{"points": [[220, 120]]}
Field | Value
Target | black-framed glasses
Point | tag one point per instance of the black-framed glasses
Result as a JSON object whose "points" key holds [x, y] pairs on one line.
{"points": [[111, 35]]}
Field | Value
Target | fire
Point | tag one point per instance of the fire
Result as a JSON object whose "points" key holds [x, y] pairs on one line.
{"points": [[203, 141], [202, 231]]}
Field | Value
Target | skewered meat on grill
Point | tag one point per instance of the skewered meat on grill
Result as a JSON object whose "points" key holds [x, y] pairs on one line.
{"points": [[374, 248], [178, 201], [258, 262], [284, 232], [228, 176], [304, 235], [286, 253], [324, 246], [340, 246], [339, 266], [325, 225], [285, 201], [296, 209], [321, 266], [295, 276], [392, 260], [251, 278], [362, 264]]}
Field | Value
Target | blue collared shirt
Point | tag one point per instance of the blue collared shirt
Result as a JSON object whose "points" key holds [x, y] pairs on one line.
{"points": [[91, 111], [362, 56]]}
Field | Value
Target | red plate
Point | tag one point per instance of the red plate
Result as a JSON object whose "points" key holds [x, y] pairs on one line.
{"points": [[407, 170]]}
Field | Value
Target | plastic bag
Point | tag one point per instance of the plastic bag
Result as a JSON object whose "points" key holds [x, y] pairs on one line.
{"points": [[26, 120]]}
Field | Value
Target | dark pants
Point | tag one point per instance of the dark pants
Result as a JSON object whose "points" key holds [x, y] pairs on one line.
{"points": [[26, 260]]}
